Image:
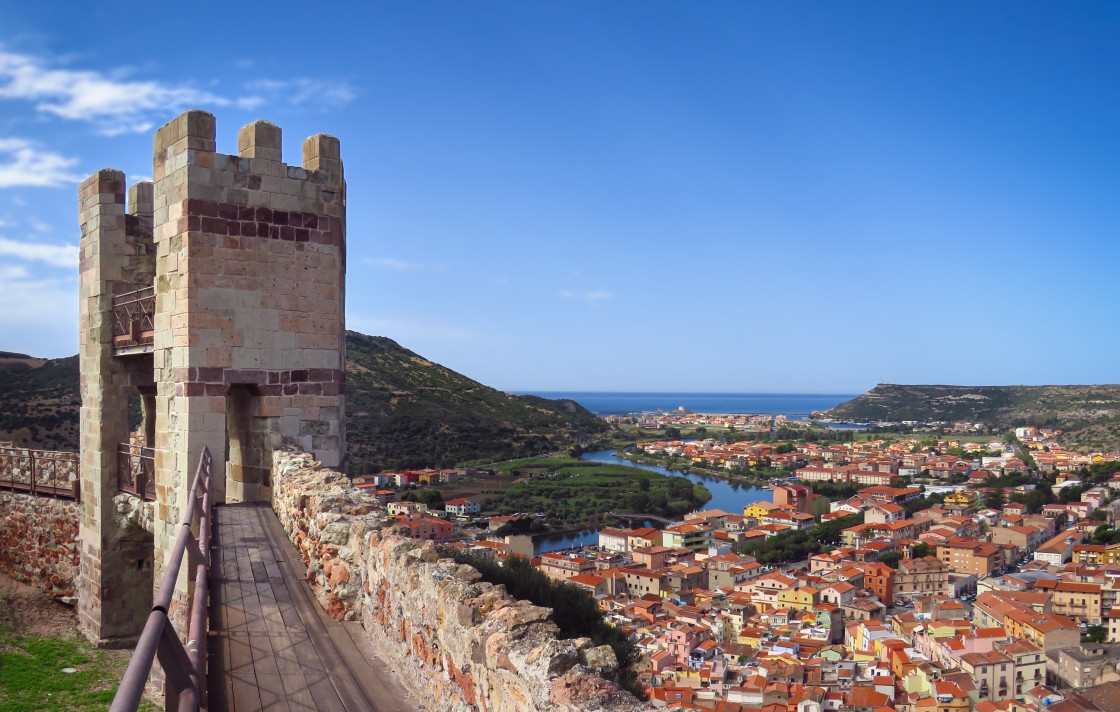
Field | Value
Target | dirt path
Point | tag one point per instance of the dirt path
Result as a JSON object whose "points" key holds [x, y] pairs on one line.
{"points": [[29, 611]]}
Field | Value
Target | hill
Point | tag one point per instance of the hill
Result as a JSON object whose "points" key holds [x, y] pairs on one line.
{"points": [[1088, 415], [401, 410], [404, 411], [39, 401]]}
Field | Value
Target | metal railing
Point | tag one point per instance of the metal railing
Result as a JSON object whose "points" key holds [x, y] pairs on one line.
{"points": [[39, 472], [183, 665], [134, 317], [136, 471]]}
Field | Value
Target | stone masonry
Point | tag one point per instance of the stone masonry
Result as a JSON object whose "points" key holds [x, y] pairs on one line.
{"points": [[246, 255], [39, 542], [455, 642]]}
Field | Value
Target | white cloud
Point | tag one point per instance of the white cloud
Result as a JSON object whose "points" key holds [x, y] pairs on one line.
{"points": [[22, 164], [328, 93], [115, 104], [395, 265], [591, 297], [38, 314], [54, 255]]}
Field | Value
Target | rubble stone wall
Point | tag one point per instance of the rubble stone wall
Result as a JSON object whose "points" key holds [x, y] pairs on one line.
{"points": [[457, 643], [39, 542]]}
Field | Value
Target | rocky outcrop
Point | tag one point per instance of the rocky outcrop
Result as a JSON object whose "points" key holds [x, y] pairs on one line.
{"points": [[456, 642], [39, 542]]}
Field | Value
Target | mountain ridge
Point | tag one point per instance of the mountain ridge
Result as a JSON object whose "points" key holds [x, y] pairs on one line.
{"points": [[1089, 415]]}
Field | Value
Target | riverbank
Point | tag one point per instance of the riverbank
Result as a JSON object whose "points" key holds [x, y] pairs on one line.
{"points": [[726, 495], [572, 493], [640, 459]]}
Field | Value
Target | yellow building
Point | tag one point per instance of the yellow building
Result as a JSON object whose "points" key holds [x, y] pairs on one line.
{"points": [[961, 498], [1096, 554], [802, 598], [758, 510]]}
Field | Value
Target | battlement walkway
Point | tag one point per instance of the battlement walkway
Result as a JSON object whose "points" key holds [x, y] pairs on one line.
{"points": [[271, 646]]}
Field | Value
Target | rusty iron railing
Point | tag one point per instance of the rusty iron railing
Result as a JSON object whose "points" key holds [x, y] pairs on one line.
{"points": [[40, 472], [134, 317], [136, 471], [183, 665]]}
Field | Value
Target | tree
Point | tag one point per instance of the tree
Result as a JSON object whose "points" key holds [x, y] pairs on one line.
{"points": [[920, 550], [891, 559], [1095, 634], [995, 498]]}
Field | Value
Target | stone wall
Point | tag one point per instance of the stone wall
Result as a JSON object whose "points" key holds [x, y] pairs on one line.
{"points": [[456, 642], [39, 542]]}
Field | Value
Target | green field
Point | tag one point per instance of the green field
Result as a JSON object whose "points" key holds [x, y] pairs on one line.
{"points": [[573, 492], [32, 677]]}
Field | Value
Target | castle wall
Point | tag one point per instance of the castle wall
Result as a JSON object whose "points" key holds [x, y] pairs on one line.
{"points": [[455, 642], [39, 542]]}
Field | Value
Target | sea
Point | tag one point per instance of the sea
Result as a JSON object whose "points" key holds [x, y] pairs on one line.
{"points": [[790, 404]]}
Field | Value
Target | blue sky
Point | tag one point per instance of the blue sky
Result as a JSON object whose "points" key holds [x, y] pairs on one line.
{"points": [[670, 196]]}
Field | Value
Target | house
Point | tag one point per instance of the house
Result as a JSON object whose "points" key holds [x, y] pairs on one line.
{"points": [[614, 540], [462, 507], [565, 566]]}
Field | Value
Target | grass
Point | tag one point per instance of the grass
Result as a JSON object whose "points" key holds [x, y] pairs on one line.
{"points": [[575, 492], [31, 677]]}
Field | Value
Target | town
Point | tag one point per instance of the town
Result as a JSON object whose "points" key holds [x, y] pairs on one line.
{"points": [[960, 575]]}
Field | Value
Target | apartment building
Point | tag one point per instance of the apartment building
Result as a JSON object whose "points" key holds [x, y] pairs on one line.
{"points": [[1079, 601], [969, 556], [920, 577]]}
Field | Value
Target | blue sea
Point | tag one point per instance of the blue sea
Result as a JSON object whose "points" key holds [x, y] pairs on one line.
{"points": [[792, 404]]}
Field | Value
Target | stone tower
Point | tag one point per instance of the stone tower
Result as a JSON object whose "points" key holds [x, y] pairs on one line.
{"points": [[217, 302]]}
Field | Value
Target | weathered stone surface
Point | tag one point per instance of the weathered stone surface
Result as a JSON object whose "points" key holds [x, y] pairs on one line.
{"points": [[456, 642], [39, 542]]}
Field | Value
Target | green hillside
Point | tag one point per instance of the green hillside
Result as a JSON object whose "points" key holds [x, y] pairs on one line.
{"points": [[401, 410], [1089, 415]]}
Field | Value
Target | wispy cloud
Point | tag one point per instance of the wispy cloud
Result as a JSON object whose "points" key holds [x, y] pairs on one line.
{"points": [[328, 93], [42, 310], [591, 297], [116, 104], [53, 255], [395, 265], [23, 164]]}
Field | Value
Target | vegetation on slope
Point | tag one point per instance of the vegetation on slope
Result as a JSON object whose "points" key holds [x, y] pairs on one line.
{"points": [[405, 411], [401, 410], [1088, 415], [39, 401], [573, 492]]}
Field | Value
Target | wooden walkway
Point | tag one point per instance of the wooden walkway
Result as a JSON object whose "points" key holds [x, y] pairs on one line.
{"points": [[271, 646]]}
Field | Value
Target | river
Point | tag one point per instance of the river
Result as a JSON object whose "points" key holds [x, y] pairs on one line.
{"points": [[731, 497]]}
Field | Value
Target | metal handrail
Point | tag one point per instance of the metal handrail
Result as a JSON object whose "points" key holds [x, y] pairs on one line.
{"points": [[134, 314], [136, 469], [182, 664], [44, 473]]}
